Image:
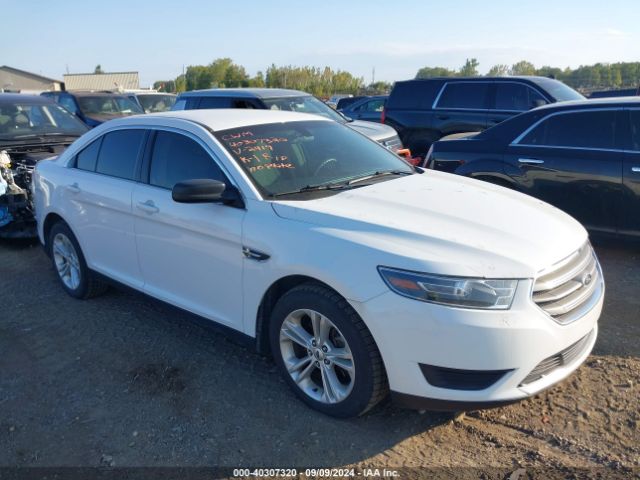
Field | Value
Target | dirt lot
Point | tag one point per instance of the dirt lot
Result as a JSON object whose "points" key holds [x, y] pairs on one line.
{"points": [[120, 380]]}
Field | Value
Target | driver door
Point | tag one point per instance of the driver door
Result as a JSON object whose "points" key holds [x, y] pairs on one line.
{"points": [[190, 255]]}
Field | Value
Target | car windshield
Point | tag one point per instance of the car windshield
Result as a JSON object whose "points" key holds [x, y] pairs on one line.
{"points": [[156, 103], [558, 90], [23, 120], [304, 104], [108, 105], [297, 157]]}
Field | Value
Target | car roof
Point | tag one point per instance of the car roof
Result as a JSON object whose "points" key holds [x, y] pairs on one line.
{"points": [[151, 93], [12, 98], [89, 93], [245, 93], [593, 102], [222, 118]]}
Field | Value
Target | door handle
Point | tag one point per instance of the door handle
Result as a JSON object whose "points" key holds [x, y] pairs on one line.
{"points": [[635, 169], [533, 161], [73, 188], [443, 117], [148, 207]]}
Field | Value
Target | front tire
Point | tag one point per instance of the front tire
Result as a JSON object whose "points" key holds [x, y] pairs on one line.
{"points": [[325, 352], [70, 265]]}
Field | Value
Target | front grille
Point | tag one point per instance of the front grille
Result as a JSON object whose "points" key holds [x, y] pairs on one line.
{"points": [[565, 357], [392, 143], [566, 291]]}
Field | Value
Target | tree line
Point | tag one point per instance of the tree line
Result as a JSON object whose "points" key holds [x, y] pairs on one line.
{"points": [[585, 77], [223, 72], [323, 82]]}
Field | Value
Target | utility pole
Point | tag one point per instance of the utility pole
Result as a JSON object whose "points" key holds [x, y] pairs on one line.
{"points": [[373, 75]]}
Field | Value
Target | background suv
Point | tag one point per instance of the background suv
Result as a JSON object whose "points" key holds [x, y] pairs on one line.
{"points": [[423, 111], [286, 100], [94, 108]]}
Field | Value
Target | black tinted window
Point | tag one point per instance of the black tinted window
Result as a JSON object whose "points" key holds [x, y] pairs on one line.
{"points": [[464, 95], [119, 153], [177, 158], [415, 94], [214, 102], [87, 158], [579, 129], [635, 130], [517, 96]]}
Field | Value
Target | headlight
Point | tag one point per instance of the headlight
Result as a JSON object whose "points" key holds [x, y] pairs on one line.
{"points": [[455, 291]]}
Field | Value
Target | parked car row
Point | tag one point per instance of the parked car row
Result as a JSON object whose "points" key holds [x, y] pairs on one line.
{"points": [[423, 111]]}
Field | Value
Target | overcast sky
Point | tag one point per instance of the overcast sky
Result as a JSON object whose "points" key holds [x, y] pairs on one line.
{"points": [[396, 37]]}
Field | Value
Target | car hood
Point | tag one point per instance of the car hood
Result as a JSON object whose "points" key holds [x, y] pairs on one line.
{"points": [[375, 131], [445, 224]]}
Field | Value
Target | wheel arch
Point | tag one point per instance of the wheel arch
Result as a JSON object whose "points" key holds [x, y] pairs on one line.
{"points": [[50, 220], [269, 299]]}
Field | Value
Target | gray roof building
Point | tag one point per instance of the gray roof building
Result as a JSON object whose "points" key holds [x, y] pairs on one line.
{"points": [[102, 81], [16, 80]]}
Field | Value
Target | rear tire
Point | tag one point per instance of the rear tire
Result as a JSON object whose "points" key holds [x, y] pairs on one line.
{"points": [[70, 265], [325, 352]]}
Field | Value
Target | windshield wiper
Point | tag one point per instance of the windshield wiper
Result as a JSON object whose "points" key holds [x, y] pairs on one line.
{"points": [[379, 173], [314, 188]]}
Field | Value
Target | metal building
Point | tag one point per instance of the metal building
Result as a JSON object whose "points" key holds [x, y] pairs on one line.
{"points": [[15, 80], [102, 81]]}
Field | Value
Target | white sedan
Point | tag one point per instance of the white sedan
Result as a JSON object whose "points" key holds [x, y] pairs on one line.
{"points": [[358, 273]]}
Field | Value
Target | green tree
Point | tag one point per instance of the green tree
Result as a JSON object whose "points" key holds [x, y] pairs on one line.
{"points": [[470, 68], [98, 69], [165, 86], [523, 68], [430, 72], [499, 70]]}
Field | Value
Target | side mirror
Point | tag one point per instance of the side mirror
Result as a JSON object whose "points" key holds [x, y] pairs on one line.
{"points": [[205, 190], [538, 103]]}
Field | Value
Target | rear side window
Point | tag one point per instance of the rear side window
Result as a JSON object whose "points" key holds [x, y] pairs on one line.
{"points": [[465, 95], [635, 129], [87, 158], [517, 97], [214, 102], [119, 153], [176, 158], [413, 95], [578, 129]]}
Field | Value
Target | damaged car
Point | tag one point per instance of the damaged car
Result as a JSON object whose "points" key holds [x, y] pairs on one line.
{"points": [[32, 128]]}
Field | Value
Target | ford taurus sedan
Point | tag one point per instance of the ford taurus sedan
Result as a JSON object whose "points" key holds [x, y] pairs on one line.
{"points": [[358, 273]]}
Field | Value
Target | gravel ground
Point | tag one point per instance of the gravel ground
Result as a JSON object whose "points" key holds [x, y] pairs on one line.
{"points": [[124, 381]]}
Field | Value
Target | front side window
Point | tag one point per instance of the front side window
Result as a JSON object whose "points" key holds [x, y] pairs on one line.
{"points": [[517, 97], [177, 158], [466, 95], [286, 157], [373, 106], [304, 104], [119, 153], [595, 129], [214, 102]]}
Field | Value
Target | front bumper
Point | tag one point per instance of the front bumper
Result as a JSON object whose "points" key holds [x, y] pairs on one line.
{"points": [[410, 333]]}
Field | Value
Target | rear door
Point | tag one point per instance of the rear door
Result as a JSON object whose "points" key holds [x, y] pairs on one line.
{"points": [[461, 107], [190, 254], [100, 192], [573, 160], [511, 98], [631, 177]]}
